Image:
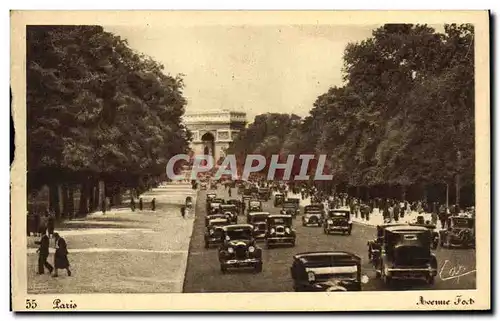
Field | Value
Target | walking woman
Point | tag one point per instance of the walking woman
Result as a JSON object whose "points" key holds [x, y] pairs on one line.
{"points": [[61, 255]]}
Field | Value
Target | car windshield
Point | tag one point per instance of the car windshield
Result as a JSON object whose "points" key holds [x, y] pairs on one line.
{"points": [[463, 222], [239, 234], [289, 204], [333, 214], [258, 218], [280, 221]]}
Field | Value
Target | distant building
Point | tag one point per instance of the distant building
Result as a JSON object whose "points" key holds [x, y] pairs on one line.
{"points": [[213, 131]]}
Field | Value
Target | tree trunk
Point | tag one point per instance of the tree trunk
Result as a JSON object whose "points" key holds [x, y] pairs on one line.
{"points": [[71, 201], [54, 200], [65, 200], [84, 207], [457, 190]]}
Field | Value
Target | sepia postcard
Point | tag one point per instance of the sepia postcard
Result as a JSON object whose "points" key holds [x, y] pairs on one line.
{"points": [[250, 161]]}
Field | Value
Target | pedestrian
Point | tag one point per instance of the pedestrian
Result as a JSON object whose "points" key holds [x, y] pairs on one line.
{"points": [[132, 203], [43, 255], [229, 191], [61, 256], [103, 206], [396, 212], [140, 204], [51, 225], [183, 211], [153, 204]]}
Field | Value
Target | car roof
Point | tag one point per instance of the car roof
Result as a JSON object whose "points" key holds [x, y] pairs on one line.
{"points": [[227, 205], [405, 228], [237, 226], [338, 210], [278, 216], [218, 219], [258, 213], [305, 255]]}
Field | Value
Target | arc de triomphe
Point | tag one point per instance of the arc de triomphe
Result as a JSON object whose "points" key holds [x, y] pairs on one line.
{"points": [[213, 131]]}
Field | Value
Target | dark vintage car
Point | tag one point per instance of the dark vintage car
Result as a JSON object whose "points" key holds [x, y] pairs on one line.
{"points": [[211, 196], [241, 188], [313, 215], [264, 194], [375, 246], [214, 205], [239, 248], [254, 206], [280, 231], [434, 233], [213, 233], [327, 271], [231, 211], [290, 208], [236, 203], [213, 185], [405, 254], [338, 220], [459, 232], [279, 198], [210, 217], [259, 222]]}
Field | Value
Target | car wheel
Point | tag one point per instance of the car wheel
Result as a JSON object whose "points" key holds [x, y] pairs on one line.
{"points": [[325, 231], [258, 267], [206, 245], [430, 280], [223, 268], [349, 232]]}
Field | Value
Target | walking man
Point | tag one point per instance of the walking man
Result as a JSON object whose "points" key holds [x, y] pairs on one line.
{"points": [[43, 255], [140, 204], [153, 204], [61, 257], [183, 211]]}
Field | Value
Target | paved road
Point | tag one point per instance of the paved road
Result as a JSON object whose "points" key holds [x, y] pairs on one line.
{"points": [[203, 271]]}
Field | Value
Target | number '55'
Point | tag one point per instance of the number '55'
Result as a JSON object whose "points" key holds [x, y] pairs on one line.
{"points": [[31, 304]]}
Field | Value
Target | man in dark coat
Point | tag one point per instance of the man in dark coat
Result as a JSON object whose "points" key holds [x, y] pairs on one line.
{"points": [[140, 204], [61, 255], [183, 211], [153, 204], [43, 255], [132, 204]]}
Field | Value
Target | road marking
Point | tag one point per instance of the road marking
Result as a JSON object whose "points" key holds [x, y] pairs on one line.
{"points": [[104, 250]]}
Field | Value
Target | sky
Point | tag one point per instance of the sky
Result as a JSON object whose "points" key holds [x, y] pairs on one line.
{"points": [[256, 69]]}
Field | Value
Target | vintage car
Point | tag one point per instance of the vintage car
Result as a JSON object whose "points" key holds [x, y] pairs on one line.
{"points": [[213, 233], [280, 231], [241, 188], [210, 217], [405, 254], [254, 206], [279, 198], [264, 194], [189, 202], [338, 220], [259, 222], [239, 248], [231, 211], [211, 196], [203, 185], [247, 191], [459, 232], [375, 246], [313, 215], [213, 185], [214, 205], [236, 203], [290, 208], [434, 233], [327, 271]]}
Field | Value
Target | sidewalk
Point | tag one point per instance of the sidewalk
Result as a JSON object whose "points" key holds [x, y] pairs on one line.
{"points": [[376, 217], [121, 251]]}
